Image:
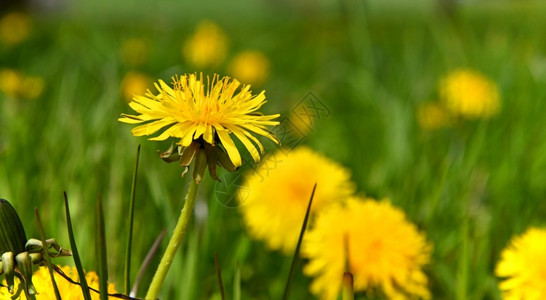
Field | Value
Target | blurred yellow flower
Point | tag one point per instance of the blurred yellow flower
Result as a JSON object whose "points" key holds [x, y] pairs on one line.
{"points": [[10, 82], [469, 94], [379, 245], [135, 83], [203, 114], [14, 27], [433, 116], [251, 67], [302, 121], [276, 194], [16, 85], [68, 291], [523, 267], [134, 51], [207, 47]]}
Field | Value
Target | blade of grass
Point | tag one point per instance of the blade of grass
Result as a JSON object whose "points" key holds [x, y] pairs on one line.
{"points": [[75, 253], [348, 292], [297, 251], [146, 263], [100, 248], [237, 283], [219, 273], [130, 233], [46, 254]]}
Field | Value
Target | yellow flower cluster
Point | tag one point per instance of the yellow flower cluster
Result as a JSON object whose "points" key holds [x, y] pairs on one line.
{"points": [[68, 291], [208, 47], [381, 248], [17, 85], [463, 93]]}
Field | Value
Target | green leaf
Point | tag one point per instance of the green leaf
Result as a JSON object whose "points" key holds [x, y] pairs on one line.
{"points": [[75, 253]]}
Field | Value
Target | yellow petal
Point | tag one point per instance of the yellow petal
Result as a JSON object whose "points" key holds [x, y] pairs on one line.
{"points": [[248, 144], [207, 135], [257, 129], [152, 127], [229, 145], [130, 119]]}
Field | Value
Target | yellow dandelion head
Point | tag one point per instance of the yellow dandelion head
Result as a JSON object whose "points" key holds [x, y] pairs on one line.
{"points": [[375, 240], [275, 196], [522, 266], [469, 94], [68, 291], [135, 83], [250, 66], [204, 115], [15, 27], [134, 51], [432, 116], [207, 47]]}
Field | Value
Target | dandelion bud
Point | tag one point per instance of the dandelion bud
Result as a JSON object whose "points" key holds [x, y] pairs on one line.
{"points": [[8, 266], [24, 264], [200, 166]]}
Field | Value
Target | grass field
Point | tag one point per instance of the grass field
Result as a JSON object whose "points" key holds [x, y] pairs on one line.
{"points": [[469, 186]]}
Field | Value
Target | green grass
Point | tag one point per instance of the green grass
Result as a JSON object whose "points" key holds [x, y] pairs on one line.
{"points": [[371, 69]]}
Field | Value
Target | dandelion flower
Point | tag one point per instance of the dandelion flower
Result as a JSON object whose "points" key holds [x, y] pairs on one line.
{"points": [[203, 117], [275, 196], [207, 47], [432, 116], [523, 267], [135, 83], [15, 27], [68, 291], [250, 67], [381, 248], [470, 94]]}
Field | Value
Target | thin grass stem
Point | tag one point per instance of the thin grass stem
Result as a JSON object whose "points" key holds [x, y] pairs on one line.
{"points": [[75, 253], [297, 251], [127, 273], [46, 254]]}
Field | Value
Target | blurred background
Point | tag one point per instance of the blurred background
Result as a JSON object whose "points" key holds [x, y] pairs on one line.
{"points": [[375, 69]]}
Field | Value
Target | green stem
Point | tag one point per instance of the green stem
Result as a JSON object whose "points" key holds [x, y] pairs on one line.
{"points": [[174, 243]]}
